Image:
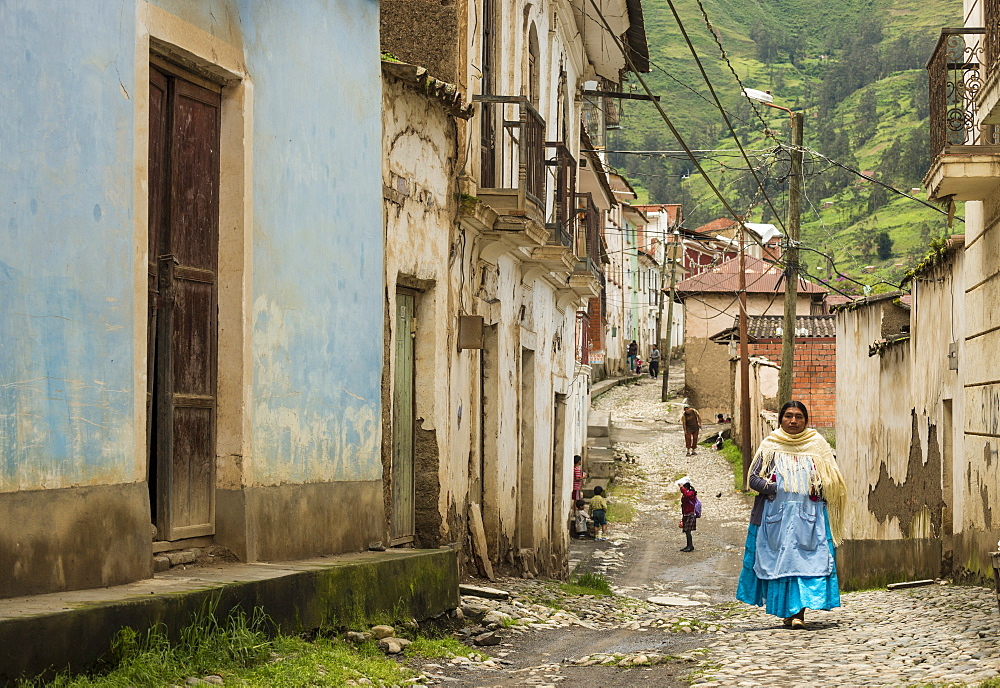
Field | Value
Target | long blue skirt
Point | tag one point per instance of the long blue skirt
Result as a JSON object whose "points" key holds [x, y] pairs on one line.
{"points": [[786, 596]]}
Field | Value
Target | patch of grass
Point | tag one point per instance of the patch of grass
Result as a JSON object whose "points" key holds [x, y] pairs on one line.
{"points": [[325, 662], [588, 583], [437, 648], [204, 647], [621, 512], [734, 455], [240, 649]]}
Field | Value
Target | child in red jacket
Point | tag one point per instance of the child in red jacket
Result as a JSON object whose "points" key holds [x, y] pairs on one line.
{"points": [[690, 511]]}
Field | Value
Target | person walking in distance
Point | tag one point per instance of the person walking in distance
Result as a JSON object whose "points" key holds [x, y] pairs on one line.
{"points": [[654, 362], [633, 353], [789, 562], [691, 420]]}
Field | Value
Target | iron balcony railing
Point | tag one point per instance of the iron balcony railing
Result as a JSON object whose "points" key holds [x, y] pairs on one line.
{"points": [[563, 217], [955, 75], [513, 152]]}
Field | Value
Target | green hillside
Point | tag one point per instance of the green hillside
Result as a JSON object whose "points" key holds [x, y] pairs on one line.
{"points": [[855, 67]]}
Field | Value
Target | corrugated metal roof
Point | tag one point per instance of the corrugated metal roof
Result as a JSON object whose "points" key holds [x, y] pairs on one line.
{"points": [[761, 278]]}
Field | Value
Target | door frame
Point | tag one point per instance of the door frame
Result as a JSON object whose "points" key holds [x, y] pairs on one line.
{"points": [[162, 35], [412, 295]]}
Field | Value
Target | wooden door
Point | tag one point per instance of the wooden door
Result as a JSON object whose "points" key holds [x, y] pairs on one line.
{"points": [[183, 408], [402, 529]]}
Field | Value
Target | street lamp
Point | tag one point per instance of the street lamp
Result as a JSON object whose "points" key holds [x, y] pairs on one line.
{"points": [[791, 256]]}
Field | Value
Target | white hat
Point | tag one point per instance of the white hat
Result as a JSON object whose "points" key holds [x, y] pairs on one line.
{"points": [[686, 479]]}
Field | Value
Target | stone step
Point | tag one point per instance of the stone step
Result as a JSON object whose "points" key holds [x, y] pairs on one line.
{"points": [[599, 453], [601, 468], [598, 424], [603, 442], [591, 483]]}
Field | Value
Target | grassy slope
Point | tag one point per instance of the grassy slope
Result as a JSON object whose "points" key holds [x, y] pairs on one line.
{"points": [[809, 24]]}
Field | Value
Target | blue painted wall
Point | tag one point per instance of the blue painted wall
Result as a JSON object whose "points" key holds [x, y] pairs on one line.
{"points": [[66, 242], [66, 237], [317, 254]]}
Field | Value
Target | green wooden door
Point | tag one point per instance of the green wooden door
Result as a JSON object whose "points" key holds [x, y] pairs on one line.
{"points": [[402, 422]]}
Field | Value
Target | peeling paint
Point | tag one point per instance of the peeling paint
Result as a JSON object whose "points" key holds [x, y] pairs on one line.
{"points": [[918, 492]]}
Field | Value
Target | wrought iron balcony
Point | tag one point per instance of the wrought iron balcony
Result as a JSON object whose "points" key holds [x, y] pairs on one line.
{"points": [[563, 217], [512, 173], [965, 150]]}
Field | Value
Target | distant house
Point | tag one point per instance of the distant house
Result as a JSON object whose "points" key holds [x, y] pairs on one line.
{"points": [[711, 304], [814, 377]]}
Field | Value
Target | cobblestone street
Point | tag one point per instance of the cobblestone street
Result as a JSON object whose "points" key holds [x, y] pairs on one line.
{"points": [[673, 620]]}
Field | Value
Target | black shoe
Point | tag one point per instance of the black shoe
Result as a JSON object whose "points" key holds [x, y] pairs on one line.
{"points": [[688, 549]]}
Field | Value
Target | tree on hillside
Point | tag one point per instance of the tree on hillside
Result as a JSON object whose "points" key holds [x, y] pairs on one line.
{"points": [[883, 245], [866, 117]]}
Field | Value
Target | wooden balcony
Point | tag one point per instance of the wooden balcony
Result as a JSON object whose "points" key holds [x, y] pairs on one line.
{"points": [[585, 279], [512, 170], [965, 148]]}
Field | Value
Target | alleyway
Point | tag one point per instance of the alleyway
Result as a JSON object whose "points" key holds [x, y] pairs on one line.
{"points": [[692, 631]]}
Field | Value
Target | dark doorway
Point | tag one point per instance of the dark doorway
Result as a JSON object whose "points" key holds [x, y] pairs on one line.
{"points": [[184, 123]]}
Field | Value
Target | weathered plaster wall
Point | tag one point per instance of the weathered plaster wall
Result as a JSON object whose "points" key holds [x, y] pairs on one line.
{"points": [[317, 350], [221, 18], [889, 453], [977, 478], [66, 283], [420, 192], [873, 439]]}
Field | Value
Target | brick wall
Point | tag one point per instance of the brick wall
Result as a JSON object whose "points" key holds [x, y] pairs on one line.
{"points": [[814, 379], [596, 329]]}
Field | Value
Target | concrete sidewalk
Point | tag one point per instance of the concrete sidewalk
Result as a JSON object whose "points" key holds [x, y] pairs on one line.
{"points": [[74, 629]]}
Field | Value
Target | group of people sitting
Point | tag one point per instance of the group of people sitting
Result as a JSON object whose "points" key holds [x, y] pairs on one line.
{"points": [[580, 520]]}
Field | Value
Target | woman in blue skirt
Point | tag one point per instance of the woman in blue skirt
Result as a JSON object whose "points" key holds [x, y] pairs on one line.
{"points": [[789, 562]]}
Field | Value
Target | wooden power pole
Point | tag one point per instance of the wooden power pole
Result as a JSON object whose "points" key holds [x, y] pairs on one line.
{"points": [[791, 260], [665, 352], [747, 450]]}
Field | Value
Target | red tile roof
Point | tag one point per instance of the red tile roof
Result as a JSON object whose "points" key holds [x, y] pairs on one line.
{"points": [[761, 278], [715, 226]]}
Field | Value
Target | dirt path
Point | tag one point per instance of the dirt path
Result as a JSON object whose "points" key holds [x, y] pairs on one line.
{"points": [[640, 558], [696, 633]]}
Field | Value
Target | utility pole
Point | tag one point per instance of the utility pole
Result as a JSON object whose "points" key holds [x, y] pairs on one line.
{"points": [[791, 259], [659, 311], [665, 351], [744, 364]]}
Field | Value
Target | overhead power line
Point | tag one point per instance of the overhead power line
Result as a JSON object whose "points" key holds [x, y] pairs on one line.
{"points": [[666, 118], [722, 110]]}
